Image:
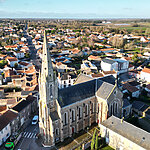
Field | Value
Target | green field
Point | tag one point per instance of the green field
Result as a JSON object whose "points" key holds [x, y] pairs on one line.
{"points": [[129, 28]]}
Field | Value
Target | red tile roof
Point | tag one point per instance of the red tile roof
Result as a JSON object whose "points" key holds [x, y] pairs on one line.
{"points": [[130, 88], [6, 118], [146, 70]]}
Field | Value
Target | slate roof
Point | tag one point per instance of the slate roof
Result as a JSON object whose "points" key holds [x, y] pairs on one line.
{"points": [[134, 83], [54, 115], [109, 61], [6, 118], [137, 105], [144, 107], [76, 93], [104, 90], [109, 79], [83, 78], [23, 104], [27, 92], [134, 134]]}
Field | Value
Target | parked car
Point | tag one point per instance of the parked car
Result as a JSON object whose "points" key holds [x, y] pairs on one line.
{"points": [[35, 119]]}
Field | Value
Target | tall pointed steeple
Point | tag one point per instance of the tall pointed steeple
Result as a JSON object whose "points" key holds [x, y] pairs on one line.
{"points": [[48, 90], [47, 69]]}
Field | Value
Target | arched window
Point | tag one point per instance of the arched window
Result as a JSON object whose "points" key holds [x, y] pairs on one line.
{"points": [[65, 118], [116, 108], [98, 107], [51, 90], [92, 108], [80, 112], [57, 131], [73, 115], [113, 108], [45, 117], [86, 109]]}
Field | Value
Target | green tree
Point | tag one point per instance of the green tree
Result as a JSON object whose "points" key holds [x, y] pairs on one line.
{"points": [[92, 144], [27, 55], [15, 65], [96, 142], [93, 140]]}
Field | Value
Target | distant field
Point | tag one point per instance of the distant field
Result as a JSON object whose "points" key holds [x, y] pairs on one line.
{"points": [[129, 28]]}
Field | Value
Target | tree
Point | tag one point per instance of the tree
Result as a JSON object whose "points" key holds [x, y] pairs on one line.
{"points": [[96, 142], [129, 46], [92, 144], [104, 42], [117, 42], [15, 65], [27, 55], [93, 140]]}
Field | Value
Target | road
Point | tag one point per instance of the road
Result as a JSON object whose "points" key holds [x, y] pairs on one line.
{"points": [[28, 140], [29, 136], [33, 51]]}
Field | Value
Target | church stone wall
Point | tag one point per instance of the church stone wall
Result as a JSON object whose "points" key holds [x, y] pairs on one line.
{"points": [[79, 123]]}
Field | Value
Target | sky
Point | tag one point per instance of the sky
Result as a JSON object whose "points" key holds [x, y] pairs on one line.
{"points": [[86, 9]]}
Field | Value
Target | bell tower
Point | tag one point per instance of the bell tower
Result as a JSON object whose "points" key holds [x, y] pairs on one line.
{"points": [[48, 90]]}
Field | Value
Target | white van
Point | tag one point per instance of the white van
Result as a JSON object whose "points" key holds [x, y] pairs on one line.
{"points": [[35, 120]]}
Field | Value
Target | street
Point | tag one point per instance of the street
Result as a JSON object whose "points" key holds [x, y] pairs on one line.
{"points": [[28, 139]]}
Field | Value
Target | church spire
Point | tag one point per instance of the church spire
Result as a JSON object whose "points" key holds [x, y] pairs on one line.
{"points": [[47, 69]]}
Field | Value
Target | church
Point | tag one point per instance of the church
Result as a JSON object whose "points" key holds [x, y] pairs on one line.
{"points": [[63, 112]]}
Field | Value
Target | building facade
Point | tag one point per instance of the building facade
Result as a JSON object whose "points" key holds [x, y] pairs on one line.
{"points": [[121, 135], [63, 112]]}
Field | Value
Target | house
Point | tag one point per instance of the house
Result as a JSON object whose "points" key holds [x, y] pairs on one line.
{"points": [[134, 91], [19, 54], [18, 80], [14, 47], [23, 39], [145, 74], [144, 39], [140, 108], [147, 88], [109, 65], [123, 65], [120, 134], [25, 108], [119, 65], [65, 80], [6, 122], [91, 57], [87, 66], [24, 64], [12, 61], [61, 67], [7, 74]]}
